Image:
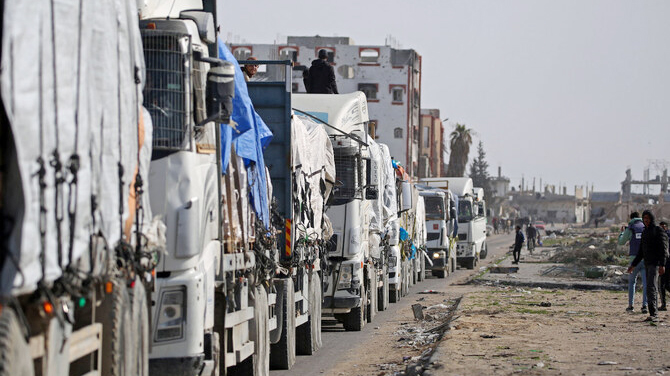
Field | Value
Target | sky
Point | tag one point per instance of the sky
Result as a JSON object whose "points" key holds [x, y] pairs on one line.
{"points": [[572, 92]]}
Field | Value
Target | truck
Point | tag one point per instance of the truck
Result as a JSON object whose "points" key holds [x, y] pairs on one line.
{"points": [[440, 222], [79, 242], [239, 288], [399, 270], [351, 287], [471, 245]]}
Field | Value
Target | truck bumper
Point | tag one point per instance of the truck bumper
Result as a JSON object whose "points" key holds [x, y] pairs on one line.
{"points": [[464, 260], [183, 366], [337, 303]]}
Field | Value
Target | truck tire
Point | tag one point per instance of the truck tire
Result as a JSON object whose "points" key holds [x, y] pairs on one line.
{"points": [[484, 252], [470, 264], [282, 353], [372, 293], [354, 321], [140, 322], [118, 344], [15, 356]]}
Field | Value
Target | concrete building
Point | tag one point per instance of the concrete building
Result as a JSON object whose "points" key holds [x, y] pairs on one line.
{"points": [[553, 208], [499, 185], [389, 77], [431, 146]]}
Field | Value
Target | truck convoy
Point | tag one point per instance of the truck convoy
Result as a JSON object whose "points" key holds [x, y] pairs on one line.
{"points": [[472, 222], [160, 215]]}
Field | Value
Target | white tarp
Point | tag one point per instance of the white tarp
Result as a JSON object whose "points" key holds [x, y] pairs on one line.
{"points": [[376, 217], [68, 84], [388, 191], [313, 165]]}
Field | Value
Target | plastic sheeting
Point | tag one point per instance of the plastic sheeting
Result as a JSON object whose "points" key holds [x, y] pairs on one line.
{"points": [[313, 167], [250, 135], [68, 84]]}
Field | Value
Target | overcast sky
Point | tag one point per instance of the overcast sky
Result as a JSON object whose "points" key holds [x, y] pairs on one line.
{"points": [[567, 91]]}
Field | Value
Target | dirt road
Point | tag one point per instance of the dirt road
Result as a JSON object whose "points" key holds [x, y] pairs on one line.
{"points": [[384, 346]]}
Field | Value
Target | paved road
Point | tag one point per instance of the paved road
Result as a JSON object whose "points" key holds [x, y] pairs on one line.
{"points": [[337, 342]]}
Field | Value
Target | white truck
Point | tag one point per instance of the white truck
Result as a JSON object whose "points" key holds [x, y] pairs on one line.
{"points": [[440, 223], [77, 240], [351, 288], [399, 264], [239, 288]]}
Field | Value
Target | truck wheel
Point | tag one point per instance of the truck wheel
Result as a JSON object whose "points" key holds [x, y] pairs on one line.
{"points": [[355, 320], [484, 252], [372, 307], [115, 315], [282, 354], [304, 344], [394, 296], [140, 314], [14, 350], [470, 264]]}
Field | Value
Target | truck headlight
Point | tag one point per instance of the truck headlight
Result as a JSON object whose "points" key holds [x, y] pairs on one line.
{"points": [[436, 255], [171, 315], [346, 273]]}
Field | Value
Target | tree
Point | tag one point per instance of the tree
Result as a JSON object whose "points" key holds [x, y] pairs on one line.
{"points": [[460, 140], [479, 171]]}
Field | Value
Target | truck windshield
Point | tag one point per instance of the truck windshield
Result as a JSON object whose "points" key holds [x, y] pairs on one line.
{"points": [[464, 211], [346, 176], [434, 207]]}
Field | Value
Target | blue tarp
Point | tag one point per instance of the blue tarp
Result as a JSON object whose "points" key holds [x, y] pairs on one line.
{"points": [[250, 135]]}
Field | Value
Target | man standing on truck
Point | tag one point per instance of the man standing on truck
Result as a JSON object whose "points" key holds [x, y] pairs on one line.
{"points": [[633, 234], [320, 78], [518, 244], [654, 251], [250, 70]]}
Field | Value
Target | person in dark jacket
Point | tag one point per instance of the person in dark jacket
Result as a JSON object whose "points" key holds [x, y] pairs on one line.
{"points": [[320, 78], [518, 244], [531, 235], [633, 235], [654, 252], [665, 278]]}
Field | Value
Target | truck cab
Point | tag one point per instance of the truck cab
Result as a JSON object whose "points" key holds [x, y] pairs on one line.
{"points": [[439, 225], [471, 222]]}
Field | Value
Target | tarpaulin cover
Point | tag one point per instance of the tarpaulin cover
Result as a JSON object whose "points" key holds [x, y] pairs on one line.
{"points": [[71, 83], [313, 166], [376, 217], [250, 135]]}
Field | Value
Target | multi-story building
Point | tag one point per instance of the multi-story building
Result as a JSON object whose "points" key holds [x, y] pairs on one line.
{"points": [[389, 77], [431, 145]]}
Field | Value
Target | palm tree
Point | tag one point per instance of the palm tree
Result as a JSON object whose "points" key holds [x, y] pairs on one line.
{"points": [[460, 140]]}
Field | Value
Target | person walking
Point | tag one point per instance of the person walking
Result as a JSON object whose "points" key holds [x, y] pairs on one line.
{"points": [[665, 278], [518, 244], [320, 77], [633, 235], [654, 252], [531, 235]]}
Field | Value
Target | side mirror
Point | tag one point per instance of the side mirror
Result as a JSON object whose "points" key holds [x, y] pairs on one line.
{"points": [[220, 92], [371, 193], [220, 89]]}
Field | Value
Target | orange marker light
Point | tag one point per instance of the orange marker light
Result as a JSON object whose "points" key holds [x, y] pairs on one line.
{"points": [[48, 308], [151, 26], [109, 287]]}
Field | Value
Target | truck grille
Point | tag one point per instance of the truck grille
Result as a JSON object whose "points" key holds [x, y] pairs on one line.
{"points": [[433, 236], [462, 236], [167, 56]]}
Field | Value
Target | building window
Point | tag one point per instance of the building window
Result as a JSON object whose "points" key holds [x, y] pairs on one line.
{"points": [[397, 133], [397, 94], [242, 53], [426, 137], [288, 53], [370, 90], [329, 50], [369, 55]]}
